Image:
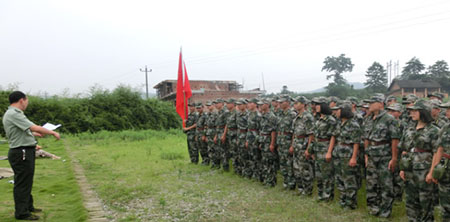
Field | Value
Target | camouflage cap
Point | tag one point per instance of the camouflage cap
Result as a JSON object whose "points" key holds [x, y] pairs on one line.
{"points": [[435, 103], [421, 104], [231, 100], [220, 100], [333, 99], [209, 103], [191, 104], [395, 107], [391, 97], [319, 100], [275, 98], [265, 101], [284, 99], [241, 101], [341, 104], [378, 97], [253, 100], [410, 98], [301, 99], [199, 105], [436, 94], [445, 105], [352, 99]]}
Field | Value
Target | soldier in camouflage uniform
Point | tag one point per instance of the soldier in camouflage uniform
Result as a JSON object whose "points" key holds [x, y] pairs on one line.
{"points": [[325, 132], [220, 138], [243, 155], [442, 155], [200, 134], [190, 131], [303, 129], [231, 134], [381, 158], [419, 198], [395, 110], [284, 140], [346, 153], [408, 101], [438, 120], [267, 137], [253, 121], [210, 134]]}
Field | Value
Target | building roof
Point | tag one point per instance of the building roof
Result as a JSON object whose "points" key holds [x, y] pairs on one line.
{"points": [[415, 84], [193, 81]]}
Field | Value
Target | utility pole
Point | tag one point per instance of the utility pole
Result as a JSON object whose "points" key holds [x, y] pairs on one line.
{"points": [[264, 85], [146, 78]]}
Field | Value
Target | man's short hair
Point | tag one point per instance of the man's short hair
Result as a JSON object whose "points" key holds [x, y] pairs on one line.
{"points": [[16, 96]]}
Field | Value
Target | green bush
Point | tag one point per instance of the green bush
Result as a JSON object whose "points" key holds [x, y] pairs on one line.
{"points": [[121, 109]]}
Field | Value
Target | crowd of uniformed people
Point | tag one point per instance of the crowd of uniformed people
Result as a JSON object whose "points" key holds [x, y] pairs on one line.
{"points": [[395, 145]]}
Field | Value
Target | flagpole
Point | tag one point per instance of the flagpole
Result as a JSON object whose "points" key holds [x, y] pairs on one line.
{"points": [[184, 92]]}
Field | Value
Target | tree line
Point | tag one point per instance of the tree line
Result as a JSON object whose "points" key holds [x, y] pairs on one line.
{"points": [[376, 75], [120, 109]]}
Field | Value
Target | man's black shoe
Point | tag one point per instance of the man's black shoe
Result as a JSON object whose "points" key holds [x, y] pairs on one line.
{"points": [[31, 217], [36, 210]]}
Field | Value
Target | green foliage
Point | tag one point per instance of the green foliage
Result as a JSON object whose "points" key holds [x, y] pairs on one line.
{"points": [[118, 110], [338, 65], [376, 78], [413, 70]]}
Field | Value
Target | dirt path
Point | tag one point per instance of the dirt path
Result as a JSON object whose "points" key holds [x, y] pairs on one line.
{"points": [[91, 202]]}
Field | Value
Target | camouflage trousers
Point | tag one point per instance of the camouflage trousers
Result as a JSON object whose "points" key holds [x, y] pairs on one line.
{"points": [[324, 172], [286, 164], [379, 186], [233, 153], [214, 154], [303, 170], [419, 195], [268, 163], [224, 157], [255, 161], [348, 182], [203, 147], [444, 195], [398, 182], [192, 148], [244, 157]]}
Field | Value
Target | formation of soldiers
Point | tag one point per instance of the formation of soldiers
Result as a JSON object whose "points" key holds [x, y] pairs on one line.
{"points": [[395, 147]]}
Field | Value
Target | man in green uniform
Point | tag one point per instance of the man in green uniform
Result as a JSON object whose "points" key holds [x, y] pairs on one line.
{"points": [[267, 136], [20, 133], [303, 126], [284, 140], [210, 133], [241, 122], [253, 121], [220, 138], [191, 123], [200, 134], [231, 136], [381, 158]]}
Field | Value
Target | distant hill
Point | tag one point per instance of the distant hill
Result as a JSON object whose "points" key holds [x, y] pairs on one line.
{"points": [[356, 85]]}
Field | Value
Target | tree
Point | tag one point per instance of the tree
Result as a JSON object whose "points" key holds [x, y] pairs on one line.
{"points": [[376, 78], [413, 70], [439, 70], [338, 65]]}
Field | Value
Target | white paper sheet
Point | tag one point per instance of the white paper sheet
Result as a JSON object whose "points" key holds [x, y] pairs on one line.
{"points": [[50, 126]]}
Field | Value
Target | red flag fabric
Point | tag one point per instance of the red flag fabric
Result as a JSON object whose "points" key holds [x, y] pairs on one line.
{"points": [[181, 105], [187, 86]]}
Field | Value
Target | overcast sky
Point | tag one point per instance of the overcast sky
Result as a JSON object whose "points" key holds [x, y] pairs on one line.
{"points": [[52, 45]]}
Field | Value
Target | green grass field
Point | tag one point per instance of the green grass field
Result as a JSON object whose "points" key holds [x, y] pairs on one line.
{"points": [[146, 176]]}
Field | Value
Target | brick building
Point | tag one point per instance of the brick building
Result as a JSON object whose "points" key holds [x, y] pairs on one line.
{"points": [[206, 90], [420, 88]]}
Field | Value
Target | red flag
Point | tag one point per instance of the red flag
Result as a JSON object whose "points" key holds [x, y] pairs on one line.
{"points": [[183, 91]]}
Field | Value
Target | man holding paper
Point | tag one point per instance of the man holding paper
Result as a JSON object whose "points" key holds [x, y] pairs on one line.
{"points": [[20, 133]]}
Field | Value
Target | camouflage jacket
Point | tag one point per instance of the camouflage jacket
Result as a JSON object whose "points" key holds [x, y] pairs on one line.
{"points": [[284, 127], [231, 123], [241, 123], [325, 127], [201, 123], [221, 120], [267, 126], [444, 139], [211, 123], [303, 126], [425, 139], [440, 121], [191, 120], [253, 121], [383, 129], [349, 133]]}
